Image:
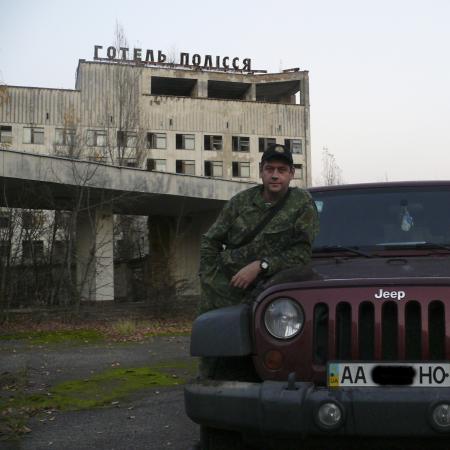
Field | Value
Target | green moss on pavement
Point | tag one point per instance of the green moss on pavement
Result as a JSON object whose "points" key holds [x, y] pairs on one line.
{"points": [[99, 390], [16, 406]]}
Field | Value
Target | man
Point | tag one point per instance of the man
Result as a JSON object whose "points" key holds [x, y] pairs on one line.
{"points": [[259, 232]]}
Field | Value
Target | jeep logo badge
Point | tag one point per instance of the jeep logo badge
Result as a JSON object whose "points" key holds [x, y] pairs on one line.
{"points": [[399, 295]]}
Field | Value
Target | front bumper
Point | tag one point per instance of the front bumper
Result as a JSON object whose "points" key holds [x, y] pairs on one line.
{"points": [[269, 408]]}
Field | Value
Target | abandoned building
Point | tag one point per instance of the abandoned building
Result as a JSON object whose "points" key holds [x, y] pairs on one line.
{"points": [[164, 118], [194, 122]]}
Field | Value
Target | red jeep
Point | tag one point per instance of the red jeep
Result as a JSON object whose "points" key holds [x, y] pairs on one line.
{"points": [[359, 345]]}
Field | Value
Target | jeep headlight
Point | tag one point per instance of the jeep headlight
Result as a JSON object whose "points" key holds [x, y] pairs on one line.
{"points": [[284, 318]]}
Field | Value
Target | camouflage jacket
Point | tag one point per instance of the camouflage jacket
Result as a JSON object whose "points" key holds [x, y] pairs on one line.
{"points": [[285, 241]]}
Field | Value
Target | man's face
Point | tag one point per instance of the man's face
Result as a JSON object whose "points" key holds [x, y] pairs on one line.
{"points": [[276, 176]]}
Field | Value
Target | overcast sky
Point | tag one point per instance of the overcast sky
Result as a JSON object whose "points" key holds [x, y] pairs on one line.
{"points": [[379, 70]]}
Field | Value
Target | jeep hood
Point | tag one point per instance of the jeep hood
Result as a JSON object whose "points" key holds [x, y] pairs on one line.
{"points": [[385, 267], [360, 268]]}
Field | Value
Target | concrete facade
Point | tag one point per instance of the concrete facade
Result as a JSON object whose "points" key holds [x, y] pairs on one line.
{"points": [[152, 117]]}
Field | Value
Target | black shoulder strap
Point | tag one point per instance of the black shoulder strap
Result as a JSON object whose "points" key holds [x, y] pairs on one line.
{"points": [[266, 219]]}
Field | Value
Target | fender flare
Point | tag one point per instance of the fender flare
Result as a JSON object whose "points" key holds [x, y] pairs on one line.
{"points": [[222, 332]]}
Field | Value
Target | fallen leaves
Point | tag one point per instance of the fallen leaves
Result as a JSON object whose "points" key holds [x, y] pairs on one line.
{"points": [[140, 331]]}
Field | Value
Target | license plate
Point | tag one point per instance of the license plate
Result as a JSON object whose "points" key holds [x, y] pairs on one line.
{"points": [[341, 374]]}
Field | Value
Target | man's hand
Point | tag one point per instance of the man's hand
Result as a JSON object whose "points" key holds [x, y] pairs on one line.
{"points": [[246, 276]]}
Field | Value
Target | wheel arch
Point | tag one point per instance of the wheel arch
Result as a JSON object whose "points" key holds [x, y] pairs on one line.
{"points": [[222, 332]]}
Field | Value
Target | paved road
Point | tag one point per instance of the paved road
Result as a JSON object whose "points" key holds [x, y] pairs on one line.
{"points": [[154, 419]]}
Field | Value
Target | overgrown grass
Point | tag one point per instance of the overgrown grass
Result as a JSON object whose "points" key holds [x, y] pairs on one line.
{"points": [[124, 327], [167, 333]]}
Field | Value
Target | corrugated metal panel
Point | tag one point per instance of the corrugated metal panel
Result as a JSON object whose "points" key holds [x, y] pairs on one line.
{"points": [[31, 105], [244, 117], [188, 114]]}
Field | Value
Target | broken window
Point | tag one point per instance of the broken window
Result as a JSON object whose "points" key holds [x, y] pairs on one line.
{"points": [[213, 168], [5, 134], [241, 169], [123, 249], [159, 165], [65, 136], [241, 144], [27, 220], [298, 171], [96, 138], [212, 142], [4, 220], [32, 249], [185, 142], [186, 167], [156, 140], [227, 90], [129, 162], [172, 86], [62, 219], [121, 138], [278, 92], [264, 143], [5, 249], [33, 219], [294, 145], [59, 251], [126, 139], [32, 135]]}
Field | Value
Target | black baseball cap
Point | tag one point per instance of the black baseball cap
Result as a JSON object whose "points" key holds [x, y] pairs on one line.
{"points": [[277, 151]]}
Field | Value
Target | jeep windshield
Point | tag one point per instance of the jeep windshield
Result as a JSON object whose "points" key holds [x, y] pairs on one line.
{"points": [[366, 220]]}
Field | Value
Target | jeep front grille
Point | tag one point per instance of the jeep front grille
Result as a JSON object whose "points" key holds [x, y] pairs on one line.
{"points": [[379, 331]]}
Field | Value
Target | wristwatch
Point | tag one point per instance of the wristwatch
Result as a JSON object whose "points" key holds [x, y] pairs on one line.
{"points": [[264, 265]]}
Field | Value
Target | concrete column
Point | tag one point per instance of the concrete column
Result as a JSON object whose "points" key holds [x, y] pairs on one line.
{"points": [[304, 90], [201, 88], [95, 258], [251, 93], [304, 101], [160, 250], [175, 250]]}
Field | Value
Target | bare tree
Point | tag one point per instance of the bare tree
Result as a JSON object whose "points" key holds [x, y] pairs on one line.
{"points": [[172, 55], [69, 139], [163, 284], [331, 172], [123, 144], [8, 257], [125, 138], [44, 246]]}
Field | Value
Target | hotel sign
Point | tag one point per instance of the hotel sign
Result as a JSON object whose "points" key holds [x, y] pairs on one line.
{"points": [[151, 57]]}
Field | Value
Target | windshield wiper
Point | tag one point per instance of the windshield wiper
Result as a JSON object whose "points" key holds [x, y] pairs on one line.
{"points": [[418, 245], [432, 246], [340, 248]]}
